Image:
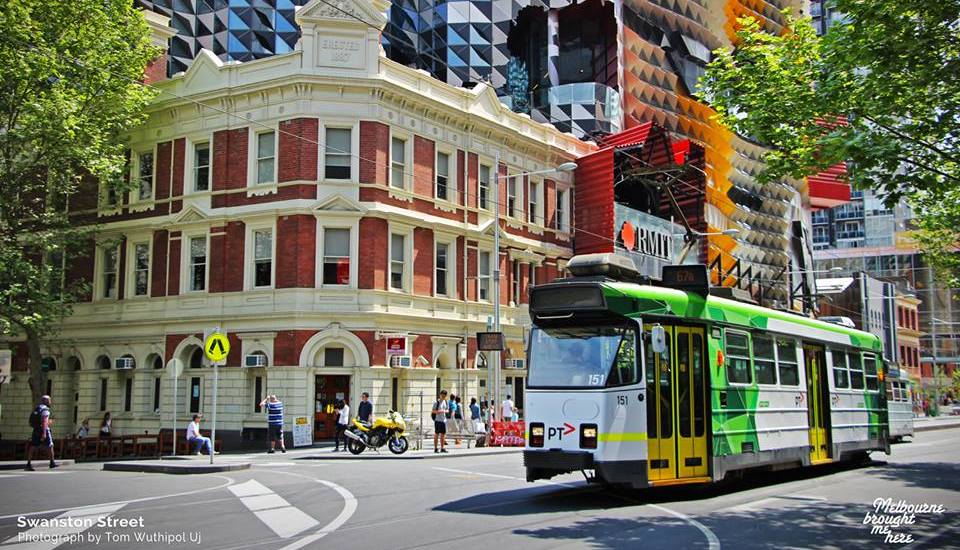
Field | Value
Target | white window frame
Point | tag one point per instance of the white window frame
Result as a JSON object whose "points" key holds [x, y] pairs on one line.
{"points": [[562, 209], [351, 245], [517, 181], [407, 276], [190, 177], [131, 271], [250, 248], [485, 276], [101, 261], [748, 357], [536, 193], [515, 288], [354, 127], [451, 270], [451, 172], [185, 270], [407, 180], [134, 193], [492, 174], [253, 156]]}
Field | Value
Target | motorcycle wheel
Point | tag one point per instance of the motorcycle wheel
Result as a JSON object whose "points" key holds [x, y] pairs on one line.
{"points": [[355, 447], [398, 447]]}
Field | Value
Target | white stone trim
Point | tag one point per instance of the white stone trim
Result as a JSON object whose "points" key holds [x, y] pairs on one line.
{"points": [[334, 334]]}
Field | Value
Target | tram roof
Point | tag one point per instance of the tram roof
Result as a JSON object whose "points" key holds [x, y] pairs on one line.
{"points": [[668, 301]]}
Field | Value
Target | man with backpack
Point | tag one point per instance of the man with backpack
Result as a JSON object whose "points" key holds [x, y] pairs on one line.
{"points": [[439, 415], [41, 436]]}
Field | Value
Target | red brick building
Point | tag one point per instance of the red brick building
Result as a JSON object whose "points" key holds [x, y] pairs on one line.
{"points": [[311, 205]]}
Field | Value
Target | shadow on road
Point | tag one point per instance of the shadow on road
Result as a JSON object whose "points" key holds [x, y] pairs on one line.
{"points": [[646, 533], [927, 475]]}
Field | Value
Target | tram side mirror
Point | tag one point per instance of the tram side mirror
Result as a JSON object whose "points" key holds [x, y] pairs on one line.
{"points": [[658, 339]]}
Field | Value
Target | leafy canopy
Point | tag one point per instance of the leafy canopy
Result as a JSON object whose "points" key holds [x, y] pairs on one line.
{"points": [[881, 91], [70, 87]]}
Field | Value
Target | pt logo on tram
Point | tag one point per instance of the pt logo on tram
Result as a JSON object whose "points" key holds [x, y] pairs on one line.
{"points": [[560, 431]]}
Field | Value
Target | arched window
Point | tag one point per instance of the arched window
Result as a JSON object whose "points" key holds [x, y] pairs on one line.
{"points": [[49, 364], [257, 359], [157, 362], [127, 361], [73, 363], [196, 358], [103, 362]]}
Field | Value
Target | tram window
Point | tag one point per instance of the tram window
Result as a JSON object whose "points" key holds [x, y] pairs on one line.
{"points": [[856, 370], [581, 356], [763, 361], [893, 393], [683, 383], [787, 362], [738, 358], [841, 377], [651, 369], [699, 422], [624, 370], [870, 371]]}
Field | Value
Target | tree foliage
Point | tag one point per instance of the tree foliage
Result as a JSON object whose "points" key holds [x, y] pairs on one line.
{"points": [[70, 87], [880, 90]]}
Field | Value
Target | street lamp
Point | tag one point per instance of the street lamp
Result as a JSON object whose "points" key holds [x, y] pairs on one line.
{"points": [[565, 167]]}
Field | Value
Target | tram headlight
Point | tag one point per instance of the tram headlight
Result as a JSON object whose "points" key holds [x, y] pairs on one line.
{"points": [[536, 434], [588, 436]]}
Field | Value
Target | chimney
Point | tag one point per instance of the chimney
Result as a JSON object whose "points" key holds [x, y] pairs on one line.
{"points": [[160, 34]]}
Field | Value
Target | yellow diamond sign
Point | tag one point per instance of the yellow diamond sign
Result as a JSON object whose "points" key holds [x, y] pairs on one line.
{"points": [[216, 347]]}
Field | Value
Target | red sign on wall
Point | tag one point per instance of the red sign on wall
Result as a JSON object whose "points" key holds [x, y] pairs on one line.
{"points": [[396, 345]]}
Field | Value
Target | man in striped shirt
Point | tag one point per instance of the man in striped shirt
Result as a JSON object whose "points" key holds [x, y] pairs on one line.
{"points": [[274, 408]]}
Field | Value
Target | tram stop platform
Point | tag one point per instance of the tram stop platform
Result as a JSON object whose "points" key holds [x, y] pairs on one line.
{"points": [[182, 465]]}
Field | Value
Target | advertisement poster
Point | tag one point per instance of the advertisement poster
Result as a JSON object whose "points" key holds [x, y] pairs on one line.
{"points": [[302, 434]]}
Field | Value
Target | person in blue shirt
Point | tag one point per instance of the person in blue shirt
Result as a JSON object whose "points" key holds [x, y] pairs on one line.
{"points": [[274, 408], [365, 408]]}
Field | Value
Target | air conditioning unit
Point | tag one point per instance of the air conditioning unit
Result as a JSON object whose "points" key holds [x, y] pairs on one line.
{"points": [[255, 360], [123, 363], [515, 364], [401, 361]]}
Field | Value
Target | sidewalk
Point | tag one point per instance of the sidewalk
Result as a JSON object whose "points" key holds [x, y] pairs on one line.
{"points": [[926, 423], [326, 453], [39, 464], [183, 464]]}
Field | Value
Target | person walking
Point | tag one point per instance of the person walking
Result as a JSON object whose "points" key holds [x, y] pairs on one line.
{"points": [[194, 437], [343, 419], [84, 431], [458, 417], [106, 425], [474, 414], [439, 414], [40, 434], [365, 408], [506, 409], [274, 408]]}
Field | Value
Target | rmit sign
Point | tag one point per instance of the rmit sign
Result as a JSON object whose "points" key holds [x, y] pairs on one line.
{"points": [[646, 240], [650, 242]]}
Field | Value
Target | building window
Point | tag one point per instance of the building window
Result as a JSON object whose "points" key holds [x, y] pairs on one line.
{"points": [[198, 264], [156, 393], [262, 258], [266, 155], [111, 258], [533, 215], [337, 154], [483, 276], [397, 261], [515, 280], [512, 197], [484, 189], [141, 269], [333, 357], [103, 394], [562, 224], [128, 395], [336, 256], [398, 156], [443, 174], [145, 176], [257, 393], [195, 397], [441, 272], [201, 167], [110, 198]]}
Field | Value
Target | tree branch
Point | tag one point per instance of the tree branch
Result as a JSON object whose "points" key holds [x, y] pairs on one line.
{"points": [[911, 139]]}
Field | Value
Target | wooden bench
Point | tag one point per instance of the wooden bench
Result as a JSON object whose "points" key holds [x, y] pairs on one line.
{"points": [[184, 447]]}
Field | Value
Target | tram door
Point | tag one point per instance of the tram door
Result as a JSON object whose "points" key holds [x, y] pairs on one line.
{"points": [[676, 406], [817, 409]]}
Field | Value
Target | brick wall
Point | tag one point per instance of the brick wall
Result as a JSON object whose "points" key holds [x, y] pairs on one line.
{"points": [[504, 279], [472, 271], [81, 268], [173, 268], [230, 149], [226, 257], [423, 345], [156, 70], [297, 155], [376, 349], [158, 265], [374, 152], [372, 262], [179, 162], [163, 166], [473, 173], [423, 251], [296, 251], [423, 166]]}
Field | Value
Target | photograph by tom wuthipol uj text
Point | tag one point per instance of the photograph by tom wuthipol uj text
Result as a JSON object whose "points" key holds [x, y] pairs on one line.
{"points": [[387, 274]]}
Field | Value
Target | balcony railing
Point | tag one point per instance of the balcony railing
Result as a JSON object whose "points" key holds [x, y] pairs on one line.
{"points": [[850, 234]]}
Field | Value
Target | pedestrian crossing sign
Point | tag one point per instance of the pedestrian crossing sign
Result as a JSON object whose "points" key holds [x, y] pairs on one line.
{"points": [[216, 347]]}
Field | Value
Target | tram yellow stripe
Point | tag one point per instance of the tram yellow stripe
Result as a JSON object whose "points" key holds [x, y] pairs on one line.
{"points": [[623, 436]]}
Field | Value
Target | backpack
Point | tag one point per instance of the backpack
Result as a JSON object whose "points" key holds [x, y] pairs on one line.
{"points": [[450, 408], [36, 417], [433, 415]]}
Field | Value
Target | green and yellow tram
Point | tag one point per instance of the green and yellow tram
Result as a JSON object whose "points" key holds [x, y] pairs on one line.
{"points": [[649, 385]]}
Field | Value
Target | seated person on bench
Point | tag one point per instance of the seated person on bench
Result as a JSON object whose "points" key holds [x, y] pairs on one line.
{"points": [[194, 437]]}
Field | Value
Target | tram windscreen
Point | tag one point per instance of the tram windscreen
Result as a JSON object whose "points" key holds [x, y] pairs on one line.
{"points": [[583, 356]]}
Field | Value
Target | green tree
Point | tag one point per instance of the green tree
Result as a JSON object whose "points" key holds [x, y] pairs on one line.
{"points": [[881, 90], [70, 87]]}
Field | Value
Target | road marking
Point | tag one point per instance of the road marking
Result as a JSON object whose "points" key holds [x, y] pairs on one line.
{"points": [[75, 521], [282, 518], [349, 507], [125, 502], [712, 541], [10, 475]]}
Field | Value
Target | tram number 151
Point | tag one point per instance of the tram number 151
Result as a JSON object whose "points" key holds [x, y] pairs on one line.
{"points": [[622, 400]]}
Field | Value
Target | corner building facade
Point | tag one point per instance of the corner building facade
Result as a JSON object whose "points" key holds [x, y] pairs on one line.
{"points": [[313, 205]]}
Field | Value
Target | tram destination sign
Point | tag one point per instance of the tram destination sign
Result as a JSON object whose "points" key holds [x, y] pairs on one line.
{"points": [[692, 278], [490, 341]]}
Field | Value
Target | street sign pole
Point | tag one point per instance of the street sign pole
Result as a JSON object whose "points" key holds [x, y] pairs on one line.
{"points": [[174, 366], [216, 347], [213, 429]]}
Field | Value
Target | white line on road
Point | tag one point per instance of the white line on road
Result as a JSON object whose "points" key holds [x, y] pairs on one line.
{"points": [[67, 526], [282, 518], [349, 507], [124, 502], [712, 540]]}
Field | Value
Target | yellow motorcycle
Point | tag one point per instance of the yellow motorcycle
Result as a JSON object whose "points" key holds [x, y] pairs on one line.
{"points": [[388, 430]]}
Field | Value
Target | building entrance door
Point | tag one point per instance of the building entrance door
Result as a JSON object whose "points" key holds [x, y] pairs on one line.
{"points": [[330, 388]]}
